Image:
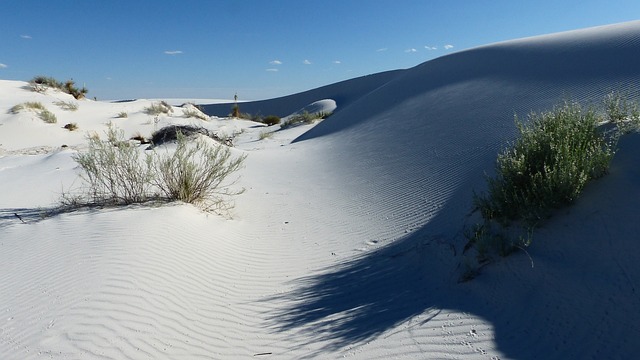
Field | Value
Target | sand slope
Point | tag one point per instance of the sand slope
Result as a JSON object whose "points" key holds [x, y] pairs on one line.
{"points": [[347, 241]]}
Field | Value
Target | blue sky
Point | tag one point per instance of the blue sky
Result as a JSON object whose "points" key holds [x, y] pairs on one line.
{"points": [[259, 49]]}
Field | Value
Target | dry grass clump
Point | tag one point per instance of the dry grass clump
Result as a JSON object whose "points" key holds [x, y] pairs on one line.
{"points": [[71, 126], [119, 173], [33, 106], [158, 108], [42, 83], [122, 115], [67, 105]]}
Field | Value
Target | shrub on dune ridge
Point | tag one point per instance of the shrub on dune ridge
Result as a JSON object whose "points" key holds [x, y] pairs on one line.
{"points": [[557, 153], [161, 107]]}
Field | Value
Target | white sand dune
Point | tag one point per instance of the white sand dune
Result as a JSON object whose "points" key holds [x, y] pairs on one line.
{"points": [[347, 241]]}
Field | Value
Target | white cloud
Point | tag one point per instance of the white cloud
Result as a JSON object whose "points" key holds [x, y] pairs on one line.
{"points": [[448, 47], [431, 48], [2, 66], [382, 49], [337, 62], [275, 62], [272, 70], [306, 62], [173, 52], [26, 36], [412, 50]]}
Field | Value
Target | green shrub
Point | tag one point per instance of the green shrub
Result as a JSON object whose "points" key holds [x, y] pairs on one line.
{"points": [[161, 107], [48, 117], [271, 120], [547, 167], [67, 105]]}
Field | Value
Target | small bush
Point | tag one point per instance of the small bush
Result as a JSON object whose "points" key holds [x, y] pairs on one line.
{"points": [[122, 115], [265, 135], [71, 126], [557, 153], [115, 171], [67, 105], [48, 117], [161, 107], [194, 172], [118, 173], [271, 120], [299, 119]]}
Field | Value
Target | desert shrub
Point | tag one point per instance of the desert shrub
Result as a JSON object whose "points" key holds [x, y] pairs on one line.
{"points": [[42, 83], [122, 115], [119, 173], [194, 172], [265, 135], [304, 117], [35, 106], [67, 105], [235, 111], [271, 120], [194, 112], [115, 171], [71, 126], [161, 107], [47, 116], [621, 112], [547, 167]]}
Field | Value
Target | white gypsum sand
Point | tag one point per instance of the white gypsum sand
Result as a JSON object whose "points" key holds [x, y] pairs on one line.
{"points": [[348, 239]]}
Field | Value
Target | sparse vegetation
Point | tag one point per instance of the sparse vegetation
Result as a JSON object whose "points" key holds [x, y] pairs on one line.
{"points": [[122, 115], [35, 106], [118, 172], [270, 120], [47, 116], [193, 111], [42, 83], [304, 117], [265, 134], [547, 167], [161, 107], [67, 105]]}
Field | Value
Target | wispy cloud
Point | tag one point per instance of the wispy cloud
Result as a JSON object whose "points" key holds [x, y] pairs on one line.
{"points": [[412, 50], [448, 47], [275, 62], [337, 62], [173, 52], [382, 49], [2, 66], [306, 62], [26, 36], [272, 70], [431, 48]]}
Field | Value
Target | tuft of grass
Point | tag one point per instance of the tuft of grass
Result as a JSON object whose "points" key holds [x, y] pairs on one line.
{"points": [[122, 115], [48, 117], [265, 135], [29, 105], [161, 107], [42, 83], [67, 105], [193, 112], [304, 117]]}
